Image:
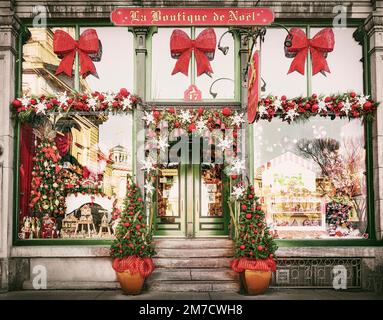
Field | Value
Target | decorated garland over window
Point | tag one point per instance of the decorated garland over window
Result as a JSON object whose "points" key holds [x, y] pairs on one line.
{"points": [[347, 105]]}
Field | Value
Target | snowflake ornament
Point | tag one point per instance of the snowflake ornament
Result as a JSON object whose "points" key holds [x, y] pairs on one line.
{"points": [[162, 143], [185, 116], [148, 188], [147, 165], [290, 115], [237, 166], [238, 192], [41, 108], [225, 143], [149, 118], [238, 119]]}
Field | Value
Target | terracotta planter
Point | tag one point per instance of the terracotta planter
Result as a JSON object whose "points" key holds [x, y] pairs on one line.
{"points": [[256, 282], [130, 283]]}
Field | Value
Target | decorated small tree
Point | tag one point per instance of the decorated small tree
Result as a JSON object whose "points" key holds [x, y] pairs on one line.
{"points": [[132, 248], [47, 194], [254, 246]]}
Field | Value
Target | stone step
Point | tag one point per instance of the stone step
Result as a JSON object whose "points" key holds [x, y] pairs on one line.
{"points": [[218, 274], [194, 252], [187, 262], [74, 285], [196, 243], [194, 286]]}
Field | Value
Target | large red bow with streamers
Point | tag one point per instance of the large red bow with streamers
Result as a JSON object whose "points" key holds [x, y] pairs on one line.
{"points": [[181, 47], [66, 47], [242, 264], [63, 142], [134, 264], [322, 43]]}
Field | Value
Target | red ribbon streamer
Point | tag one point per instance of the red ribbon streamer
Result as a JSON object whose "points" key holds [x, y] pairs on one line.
{"points": [[322, 43], [181, 47], [134, 264], [242, 264], [66, 47]]}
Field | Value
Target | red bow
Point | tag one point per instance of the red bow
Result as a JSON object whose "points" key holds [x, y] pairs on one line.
{"points": [[66, 47], [181, 47], [322, 43]]}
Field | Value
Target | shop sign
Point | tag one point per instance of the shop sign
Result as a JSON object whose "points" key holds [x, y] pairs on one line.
{"points": [[126, 16]]}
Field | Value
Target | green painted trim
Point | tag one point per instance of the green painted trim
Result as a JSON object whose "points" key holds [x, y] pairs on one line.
{"points": [[16, 182], [237, 69], [371, 223], [77, 63], [250, 134]]}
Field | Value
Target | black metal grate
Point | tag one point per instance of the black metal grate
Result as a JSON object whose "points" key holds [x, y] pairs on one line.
{"points": [[315, 272]]}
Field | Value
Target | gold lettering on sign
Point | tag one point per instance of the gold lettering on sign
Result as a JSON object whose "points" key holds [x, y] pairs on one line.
{"points": [[136, 17], [235, 16], [218, 17], [155, 16]]}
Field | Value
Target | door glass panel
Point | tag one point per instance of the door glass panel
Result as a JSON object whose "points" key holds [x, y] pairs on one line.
{"points": [[211, 190], [168, 192]]}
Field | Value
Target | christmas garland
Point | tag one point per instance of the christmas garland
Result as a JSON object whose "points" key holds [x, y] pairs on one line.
{"points": [[347, 105]]}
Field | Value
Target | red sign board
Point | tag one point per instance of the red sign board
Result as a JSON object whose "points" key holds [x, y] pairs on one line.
{"points": [[125, 16], [253, 87]]}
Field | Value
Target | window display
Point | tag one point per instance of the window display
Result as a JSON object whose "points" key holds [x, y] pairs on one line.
{"points": [[311, 177]]}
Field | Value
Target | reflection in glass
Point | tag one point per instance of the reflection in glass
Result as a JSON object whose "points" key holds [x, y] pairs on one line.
{"points": [[312, 187], [40, 64], [168, 192], [211, 190]]}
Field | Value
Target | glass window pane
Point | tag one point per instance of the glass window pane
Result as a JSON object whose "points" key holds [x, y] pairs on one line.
{"points": [[77, 175], [211, 190], [223, 67], [164, 84], [40, 64], [311, 177], [116, 68], [274, 67], [344, 63]]}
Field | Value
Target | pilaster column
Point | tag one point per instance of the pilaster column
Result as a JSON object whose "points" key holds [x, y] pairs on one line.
{"points": [[9, 27], [374, 28], [140, 34]]}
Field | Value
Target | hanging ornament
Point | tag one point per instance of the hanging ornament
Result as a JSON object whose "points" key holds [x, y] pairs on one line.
{"points": [[88, 47], [181, 47], [322, 43], [238, 192]]}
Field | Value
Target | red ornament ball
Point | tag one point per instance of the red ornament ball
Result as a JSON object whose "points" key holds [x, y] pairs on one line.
{"points": [[260, 248], [244, 207], [248, 216], [242, 247], [226, 112]]}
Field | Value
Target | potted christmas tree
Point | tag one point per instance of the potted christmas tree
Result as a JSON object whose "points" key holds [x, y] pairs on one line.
{"points": [[132, 247], [254, 245]]}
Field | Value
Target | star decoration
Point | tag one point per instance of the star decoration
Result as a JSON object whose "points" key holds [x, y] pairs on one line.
{"points": [[185, 116], [25, 101], [126, 103], [237, 166], [62, 98], [262, 110], [363, 99], [238, 192], [109, 98], [278, 104], [41, 108], [347, 106], [291, 114], [92, 102], [147, 166], [149, 188], [238, 119], [322, 106], [162, 144], [149, 118], [225, 143], [201, 126]]}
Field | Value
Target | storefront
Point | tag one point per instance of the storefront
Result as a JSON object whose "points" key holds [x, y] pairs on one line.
{"points": [[181, 129]]}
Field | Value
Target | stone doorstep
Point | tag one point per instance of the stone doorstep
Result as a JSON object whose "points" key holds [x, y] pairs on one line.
{"points": [[186, 263], [195, 243], [219, 274], [75, 285], [195, 286], [194, 252]]}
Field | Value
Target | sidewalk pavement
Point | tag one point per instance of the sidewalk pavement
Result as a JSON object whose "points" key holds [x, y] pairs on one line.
{"points": [[271, 294]]}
